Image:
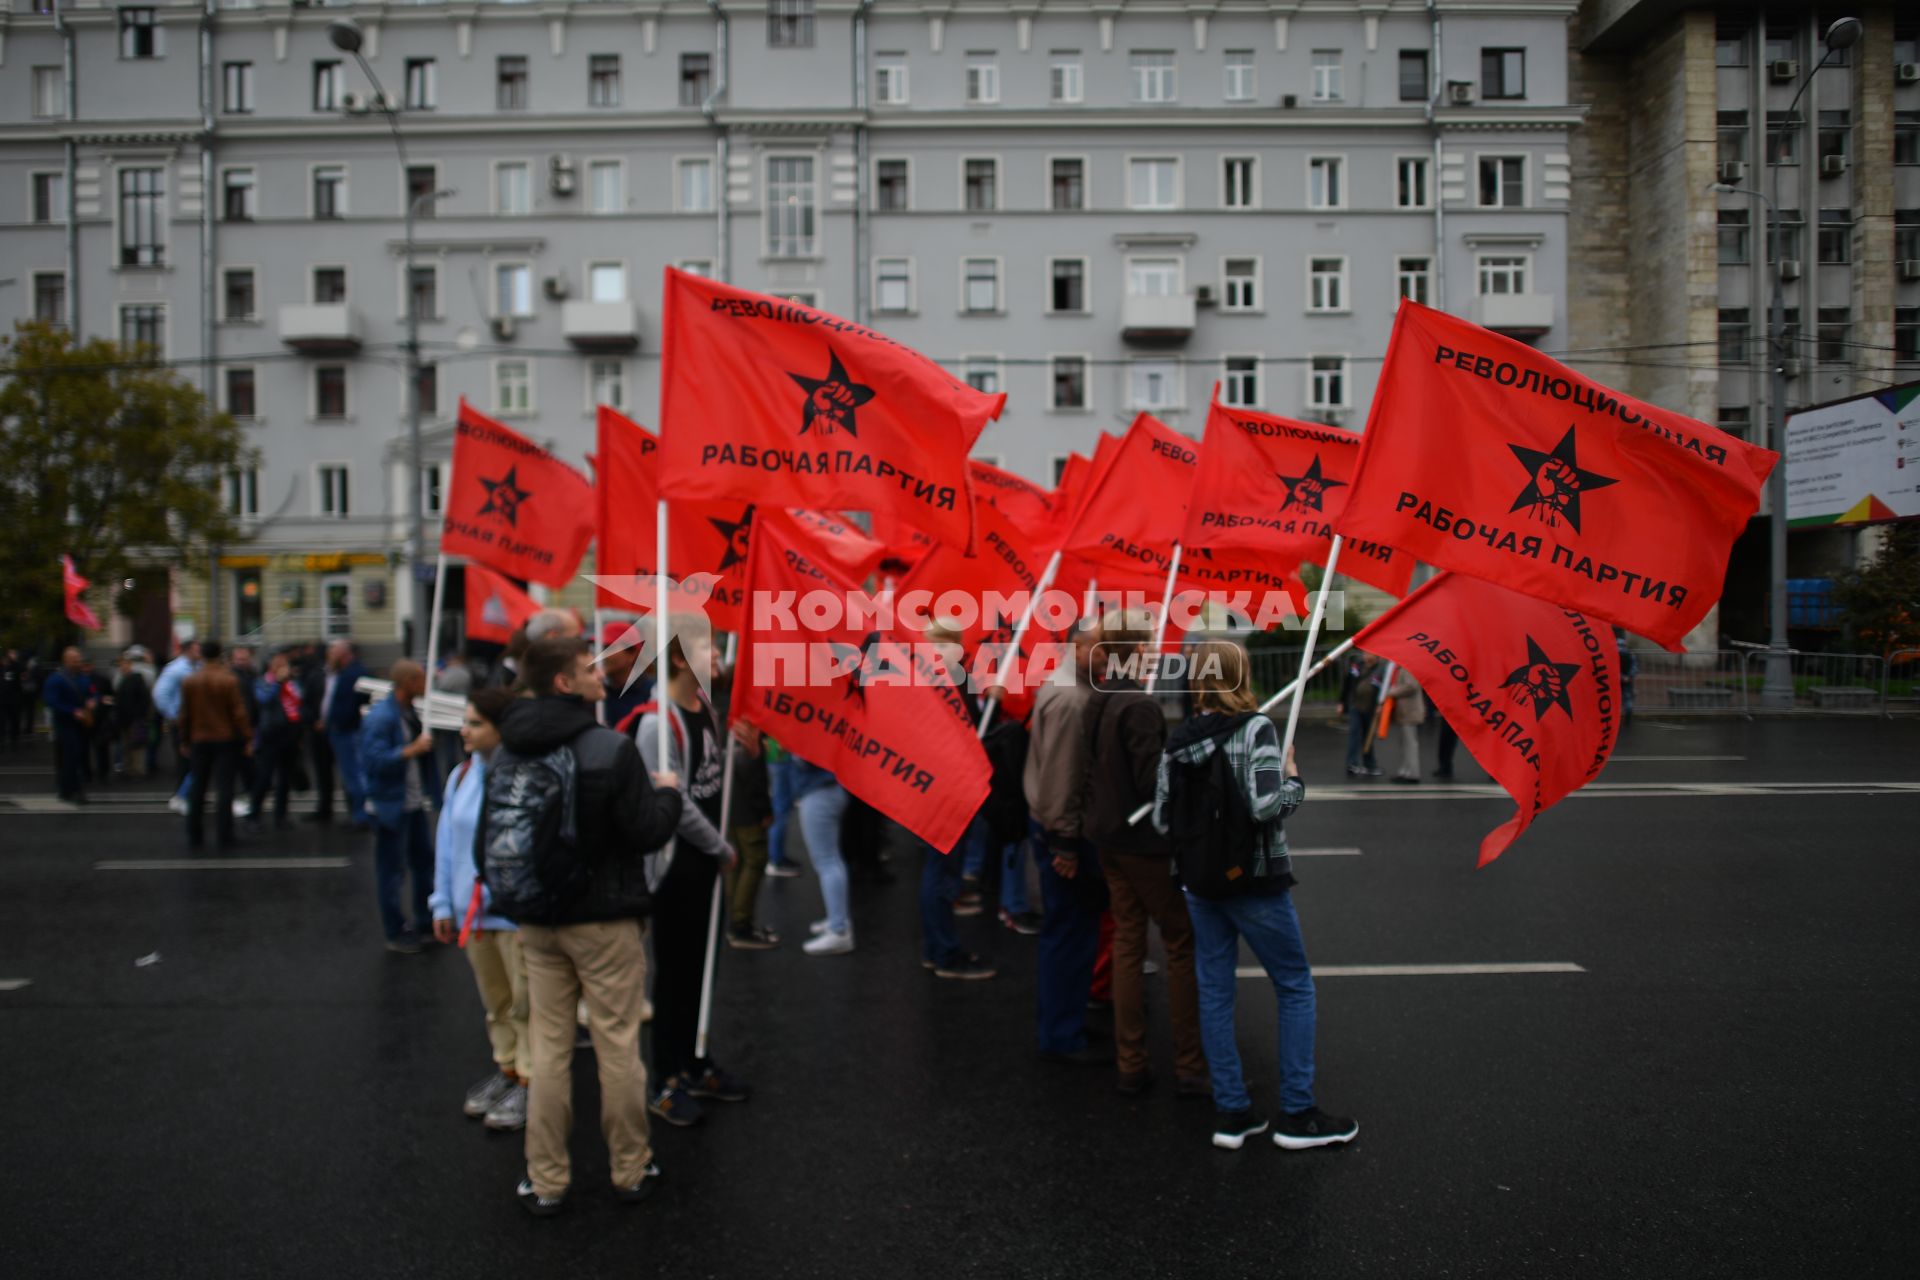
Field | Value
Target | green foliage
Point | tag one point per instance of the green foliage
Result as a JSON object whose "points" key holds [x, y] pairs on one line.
{"points": [[1881, 603], [107, 459]]}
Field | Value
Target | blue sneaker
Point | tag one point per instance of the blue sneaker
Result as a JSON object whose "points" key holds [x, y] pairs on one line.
{"points": [[675, 1104]]}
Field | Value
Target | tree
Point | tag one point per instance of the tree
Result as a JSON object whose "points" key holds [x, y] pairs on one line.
{"points": [[104, 456], [1881, 603]]}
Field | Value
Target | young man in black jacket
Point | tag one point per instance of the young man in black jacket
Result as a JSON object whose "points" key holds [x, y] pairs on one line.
{"points": [[590, 947]]}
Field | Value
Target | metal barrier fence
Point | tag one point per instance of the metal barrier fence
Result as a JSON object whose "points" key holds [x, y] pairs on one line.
{"points": [[1275, 669], [1704, 682], [1900, 681]]}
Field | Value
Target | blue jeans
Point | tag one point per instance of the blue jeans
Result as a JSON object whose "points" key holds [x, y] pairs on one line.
{"points": [[353, 781], [820, 813], [780, 783], [1360, 739], [400, 851], [1013, 878], [939, 885], [1069, 939], [1272, 930]]}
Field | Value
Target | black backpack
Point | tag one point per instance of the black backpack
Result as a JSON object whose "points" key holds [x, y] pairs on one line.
{"points": [[1216, 841], [1006, 805], [526, 848]]}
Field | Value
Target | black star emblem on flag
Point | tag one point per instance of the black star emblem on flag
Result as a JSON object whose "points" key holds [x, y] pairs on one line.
{"points": [[833, 400], [1542, 681], [1308, 492], [504, 496], [735, 532], [1556, 483]]}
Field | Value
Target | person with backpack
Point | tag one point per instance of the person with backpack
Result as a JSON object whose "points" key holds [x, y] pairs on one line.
{"points": [[1223, 796], [276, 744], [566, 821], [462, 912]]}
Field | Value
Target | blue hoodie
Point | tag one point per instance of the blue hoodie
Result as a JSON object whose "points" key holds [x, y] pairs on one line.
{"points": [[453, 850]]}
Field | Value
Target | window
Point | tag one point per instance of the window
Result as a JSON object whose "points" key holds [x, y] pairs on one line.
{"points": [[892, 190], [1736, 419], [981, 179], [329, 85], [1327, 382], [512, 386], [1782, 44], [1906, 137], [422, 84], [423, 292], [1414, 279], [983, 374], [50, 298], [1069, 382], [1240, 284], [790, 24], [1836, 235], [512, 289], [1240, 381], [1410, 182], [432, 488], [243, 499], [1153, 384], [890, 79], [329, 286], [1067, 285], [1326, 182], [980, 285], [1326, 284], [1503, 73], [790, 200], [141, 216], [606, 384], [140, 35], [1153, 277], [1906, 335], [1328, 79], [333, 491], [429, 387], [241, 402], [422, 181], [606, 282], [1836, 130], [1736, 335], [236, 88], [1239, 186], [1783, 138], [696, 78], [1790, 240], [696, 185], [603, 187], [1413, 75], [330, 191], [236, 195], [49, 197], [1906, 235], [1240, 85], [46, 92], [1733, 238], [238, 298], [1730, 45], [603, 80], [512, 188], [143, 328], [1833, 339], [983, 79], [893, 286], [1068, 186], [510, 82], [1503, 182], [1066, 77], [1153, 183], [1501, 274], [1153, 76], [330, 391], [1733, 137]]}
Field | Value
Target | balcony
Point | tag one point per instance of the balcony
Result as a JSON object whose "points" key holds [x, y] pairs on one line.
{"points": [[320, 328], [1156, 320], [601, 326], [1519, 315]]}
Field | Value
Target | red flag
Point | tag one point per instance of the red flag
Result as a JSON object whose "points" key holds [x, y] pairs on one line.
{"points": [[905, 546], [770, 401], [513, 505], [1030, 507], [1136, 501], [1004, 571], [909, 750], [78, 613], [495, 607], [1270, 483], [1531, 688], [1483, 455]]}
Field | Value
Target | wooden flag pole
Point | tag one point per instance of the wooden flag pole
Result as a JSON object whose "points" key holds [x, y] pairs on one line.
{"points": [[1019, 632]]}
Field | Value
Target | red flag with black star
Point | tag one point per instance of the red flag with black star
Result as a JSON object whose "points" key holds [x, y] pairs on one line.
{"points": [[766, 400], [495, 607], [1484, 456], [1136, 500], [512, 505], [1532, 689]]}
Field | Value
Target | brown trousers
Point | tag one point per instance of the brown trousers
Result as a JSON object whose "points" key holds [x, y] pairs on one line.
{"points": [[1144, 888]]}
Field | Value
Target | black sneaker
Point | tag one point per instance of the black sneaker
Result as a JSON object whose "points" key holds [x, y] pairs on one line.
{"points": [[967, 968], [405, 945], [675, 1105], [1231, 1129], [1375, 771], [535, 1203], [1300, 1130], [752, 938], [717, 1085], [642, 1189]]}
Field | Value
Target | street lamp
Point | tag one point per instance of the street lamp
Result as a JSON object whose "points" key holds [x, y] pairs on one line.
{"points": [[346, 36]]}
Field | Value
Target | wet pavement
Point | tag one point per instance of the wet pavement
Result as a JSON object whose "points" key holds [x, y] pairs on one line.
{"points": [[1719, 1080]]}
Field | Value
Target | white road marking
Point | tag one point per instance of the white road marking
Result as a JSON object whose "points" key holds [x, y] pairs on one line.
{"points": [[1423, 970], [14, 984], [222, 864], [1325, 853]]}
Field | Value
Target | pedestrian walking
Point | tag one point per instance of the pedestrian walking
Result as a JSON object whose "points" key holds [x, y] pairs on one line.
{"points": [[1448, 742], [214, 727], [339, 718], [942, 871], [166, 701], [397, 755], [1359, 700], [749, 820], [781, 794], [71, 707], [1222, 794], [1409, 713], [280, 712], [820, 805], [132, 718], [102, 734]]}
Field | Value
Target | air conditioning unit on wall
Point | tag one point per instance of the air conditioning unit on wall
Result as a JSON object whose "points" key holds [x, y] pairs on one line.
{"points": [[1733, 170], [1832, 166], [1789, 268], [1784, 69], [1460, 92]]}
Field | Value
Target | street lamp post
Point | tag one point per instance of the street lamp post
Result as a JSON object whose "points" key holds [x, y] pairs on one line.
{"points": [[346, 36]]}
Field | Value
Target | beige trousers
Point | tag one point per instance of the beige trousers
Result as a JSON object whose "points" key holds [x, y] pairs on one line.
{"points": [[500, 971]]}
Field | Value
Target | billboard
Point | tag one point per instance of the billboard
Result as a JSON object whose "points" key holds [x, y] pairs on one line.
{"points": [[1855, 461]]}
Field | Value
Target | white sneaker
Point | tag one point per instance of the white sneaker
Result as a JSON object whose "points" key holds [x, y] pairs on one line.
{"points": [[178, 804], [241, 809], [817, 928], [829, 943]]}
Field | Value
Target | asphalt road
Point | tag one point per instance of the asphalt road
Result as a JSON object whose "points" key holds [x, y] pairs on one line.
{"points": [[1726, 1085]]}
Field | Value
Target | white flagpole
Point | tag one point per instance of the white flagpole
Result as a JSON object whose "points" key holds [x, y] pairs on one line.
{"points": [[433, 631], [719, 881], [600, 707], [1306, 656], [1166, 612], [1093, 598], [1019, 632], [662, 668]]}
